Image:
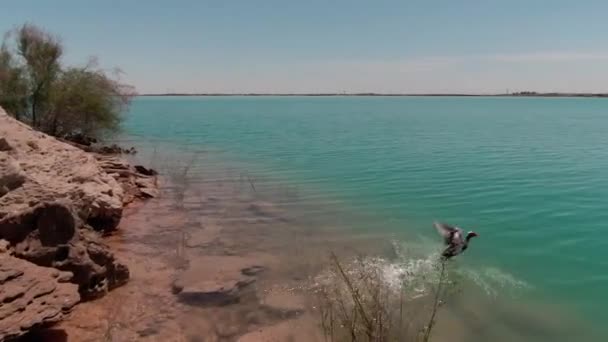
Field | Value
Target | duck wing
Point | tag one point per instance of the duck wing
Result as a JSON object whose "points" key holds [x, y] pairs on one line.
{"points": [[447, 232]]}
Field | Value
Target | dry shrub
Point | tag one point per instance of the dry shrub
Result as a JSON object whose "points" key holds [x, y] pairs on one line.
{"points": [[358, 304]]}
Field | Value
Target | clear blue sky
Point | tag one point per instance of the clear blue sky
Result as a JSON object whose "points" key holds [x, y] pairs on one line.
{"points": [[333, 46]]}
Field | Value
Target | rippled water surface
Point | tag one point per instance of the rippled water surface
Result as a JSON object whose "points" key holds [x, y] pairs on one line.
{"points": [[528, 174]]}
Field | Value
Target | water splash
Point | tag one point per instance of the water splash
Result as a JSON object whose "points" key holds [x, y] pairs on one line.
{"points": [[494, 281], [417, 275]]}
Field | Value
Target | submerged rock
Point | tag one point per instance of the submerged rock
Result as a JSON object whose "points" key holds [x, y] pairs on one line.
{"points": [[145, 171], [211, 293], [215, 281], [253, 270]]}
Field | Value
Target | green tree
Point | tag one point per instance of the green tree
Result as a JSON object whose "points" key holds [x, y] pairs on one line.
{"points": [[41, 52], [87, 101], [13, 85], [59, 100]]}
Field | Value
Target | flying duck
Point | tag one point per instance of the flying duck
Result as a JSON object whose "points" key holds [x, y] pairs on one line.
{"points": [[454, 238]]}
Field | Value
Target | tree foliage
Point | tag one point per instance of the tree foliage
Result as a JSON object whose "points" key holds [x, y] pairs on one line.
{"points": [[41, 52], [13, 85], [86, 101], [36, 88]]}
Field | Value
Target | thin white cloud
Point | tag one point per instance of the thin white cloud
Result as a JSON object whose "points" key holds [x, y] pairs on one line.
{"points": [[433, 62], [551, 56], [411, 65], [436, 63]]}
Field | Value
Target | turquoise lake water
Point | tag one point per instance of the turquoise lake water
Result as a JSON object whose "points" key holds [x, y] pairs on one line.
{"points": [[528, 174]]}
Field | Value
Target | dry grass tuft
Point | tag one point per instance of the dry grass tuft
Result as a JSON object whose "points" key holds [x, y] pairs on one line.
{"points": [[359, 305]]}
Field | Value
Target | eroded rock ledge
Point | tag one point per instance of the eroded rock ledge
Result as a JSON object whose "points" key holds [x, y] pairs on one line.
{"points": [[49, 234], [32, 297], [36, 168]]}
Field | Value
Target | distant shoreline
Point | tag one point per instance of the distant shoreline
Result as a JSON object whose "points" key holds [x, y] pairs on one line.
{"points": [[523, 94]]}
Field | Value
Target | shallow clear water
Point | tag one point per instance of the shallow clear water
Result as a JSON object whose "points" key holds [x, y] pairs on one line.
{"points": [[528, 174]]}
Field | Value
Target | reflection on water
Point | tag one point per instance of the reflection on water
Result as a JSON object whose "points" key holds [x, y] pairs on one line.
{"points": [[227, 254]]}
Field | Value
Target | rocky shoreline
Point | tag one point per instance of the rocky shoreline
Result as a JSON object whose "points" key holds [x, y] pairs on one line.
{"points": [[56, 203]]}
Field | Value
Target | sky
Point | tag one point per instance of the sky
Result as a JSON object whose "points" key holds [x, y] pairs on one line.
{"points": [[285, 46]]}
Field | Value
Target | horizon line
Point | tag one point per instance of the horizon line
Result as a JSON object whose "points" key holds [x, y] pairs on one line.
{"points": [[515, 94]]}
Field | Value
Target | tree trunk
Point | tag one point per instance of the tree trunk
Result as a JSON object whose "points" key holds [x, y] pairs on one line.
{"points": [[53, 130], [34, 105]]}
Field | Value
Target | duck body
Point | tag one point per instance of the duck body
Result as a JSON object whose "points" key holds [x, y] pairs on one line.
{"points": [[454, 238]]}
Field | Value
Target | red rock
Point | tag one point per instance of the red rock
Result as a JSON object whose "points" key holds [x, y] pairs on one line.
{"points": [[31, 297]]}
